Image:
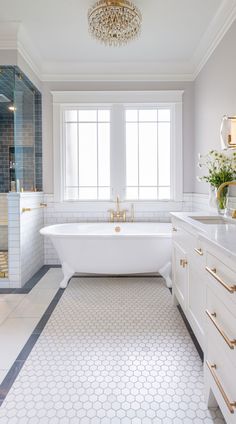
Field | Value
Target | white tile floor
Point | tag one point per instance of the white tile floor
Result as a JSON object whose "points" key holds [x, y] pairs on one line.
{"points": [[19, 314], [114, 351]]}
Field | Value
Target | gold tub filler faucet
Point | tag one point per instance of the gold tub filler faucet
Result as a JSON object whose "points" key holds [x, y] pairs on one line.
{"points": [[118, 214], [222, 186]]}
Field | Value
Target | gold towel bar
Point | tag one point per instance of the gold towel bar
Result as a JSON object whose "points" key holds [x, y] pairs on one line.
{"points": [[230, 343], [231, 405], [199, 251], [41, 205], [213, 273]]}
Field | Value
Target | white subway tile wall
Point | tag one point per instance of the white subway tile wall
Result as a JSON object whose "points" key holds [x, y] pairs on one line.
{"points": [[3, 208], [58, 213], [3, 222], [26, 250], [200, 202]]}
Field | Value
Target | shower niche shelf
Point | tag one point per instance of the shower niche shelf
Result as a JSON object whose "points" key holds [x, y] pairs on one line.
{"points": [[21, 168]]}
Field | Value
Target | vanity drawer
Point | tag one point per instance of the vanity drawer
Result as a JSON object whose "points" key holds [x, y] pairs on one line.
{"points": [[221, 325], [198, 254], [178, 234], [184, 238], [221, 279], [221, 375]]}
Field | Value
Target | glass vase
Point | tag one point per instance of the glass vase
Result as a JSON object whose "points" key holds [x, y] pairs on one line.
{"points": [[212, 197], [222, 201]]}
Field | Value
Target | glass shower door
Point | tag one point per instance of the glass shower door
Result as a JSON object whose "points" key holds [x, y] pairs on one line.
{"points": [[6, 143], [24, 135]]}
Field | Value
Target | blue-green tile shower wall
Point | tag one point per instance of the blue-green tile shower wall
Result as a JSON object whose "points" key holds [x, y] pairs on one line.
{"points": [[9, 139], [6, 127]]}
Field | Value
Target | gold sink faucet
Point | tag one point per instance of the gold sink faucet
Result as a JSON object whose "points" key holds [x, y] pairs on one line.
{"points": [[118, 214], [219, 191]]}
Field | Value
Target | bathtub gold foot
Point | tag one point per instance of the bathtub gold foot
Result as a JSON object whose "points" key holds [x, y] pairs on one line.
{"points": [[68, 273]]}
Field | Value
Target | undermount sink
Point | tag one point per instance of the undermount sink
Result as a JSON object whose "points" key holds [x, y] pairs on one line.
{"points": [[212, 220]]}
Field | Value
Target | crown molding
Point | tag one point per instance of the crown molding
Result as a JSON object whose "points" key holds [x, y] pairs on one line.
{"points": [[28, 59], [115, 71], [116, 77], [14, 37], [29, 52], [218, 27]]}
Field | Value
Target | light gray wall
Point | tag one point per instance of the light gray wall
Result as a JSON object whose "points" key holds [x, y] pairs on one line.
{"points": [[215, 96], [8, 57], [188, 115], [14, 58], [23, 65]]}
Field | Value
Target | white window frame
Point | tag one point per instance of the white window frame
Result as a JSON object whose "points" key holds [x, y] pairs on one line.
{"points": [[65, 100], [63, 147], [170, 107]]}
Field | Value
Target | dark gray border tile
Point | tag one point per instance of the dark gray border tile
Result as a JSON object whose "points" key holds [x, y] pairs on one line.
{"points": [[32, 281], [23, 355]]}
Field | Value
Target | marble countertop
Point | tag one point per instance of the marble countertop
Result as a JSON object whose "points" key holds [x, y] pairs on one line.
{"points": [[221, 235]]}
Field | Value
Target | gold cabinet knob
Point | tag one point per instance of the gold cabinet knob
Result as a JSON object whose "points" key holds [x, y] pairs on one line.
{"points": [[183, 262]]}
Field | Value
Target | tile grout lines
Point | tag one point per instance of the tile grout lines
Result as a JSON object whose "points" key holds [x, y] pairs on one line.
{"points": [[15, 369], [12, 374]]}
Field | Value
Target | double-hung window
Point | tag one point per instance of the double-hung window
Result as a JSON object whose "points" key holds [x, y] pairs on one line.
{"points": [[133, 149], [148, 153], [86, 146]]}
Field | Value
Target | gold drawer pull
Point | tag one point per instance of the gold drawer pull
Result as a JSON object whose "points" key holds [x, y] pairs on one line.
{"points": [[183, 263], [231, 405], [199, 251], [213, 273], [230, 343]]}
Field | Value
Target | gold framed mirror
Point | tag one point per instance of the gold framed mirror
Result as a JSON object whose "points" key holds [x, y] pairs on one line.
{"points": [[228, 132]]}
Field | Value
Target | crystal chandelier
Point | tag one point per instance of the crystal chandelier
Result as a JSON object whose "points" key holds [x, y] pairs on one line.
{"points": [[114, 22]]}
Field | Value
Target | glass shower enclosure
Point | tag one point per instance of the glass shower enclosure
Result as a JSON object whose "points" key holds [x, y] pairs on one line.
{"points": [[20, 145]]}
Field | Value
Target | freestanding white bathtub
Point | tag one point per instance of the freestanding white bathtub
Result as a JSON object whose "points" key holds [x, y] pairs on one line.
{"points": [[112, 248]]}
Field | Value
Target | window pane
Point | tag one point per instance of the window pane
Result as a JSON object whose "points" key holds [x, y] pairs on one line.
{"points": [[103, 115], [131, 115], [132, 193], [148, 154], [147, 193], [88, 154], [71, 116], [71, 155], [104, 154], [87, 115], [164, 115], [132, 154], [104, 193], [149, 115], [164, 192], [164, 154], [88, 193], [71, 193]]}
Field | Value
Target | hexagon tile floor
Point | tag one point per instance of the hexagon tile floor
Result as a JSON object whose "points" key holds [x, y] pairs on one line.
{"points": [[115, 350]]}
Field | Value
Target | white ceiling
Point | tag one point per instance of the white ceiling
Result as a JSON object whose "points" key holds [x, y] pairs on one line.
{"points": [[174, 36]]}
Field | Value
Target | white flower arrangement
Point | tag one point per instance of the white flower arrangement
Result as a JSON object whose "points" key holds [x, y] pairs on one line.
{"points": [[221, 167]]}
